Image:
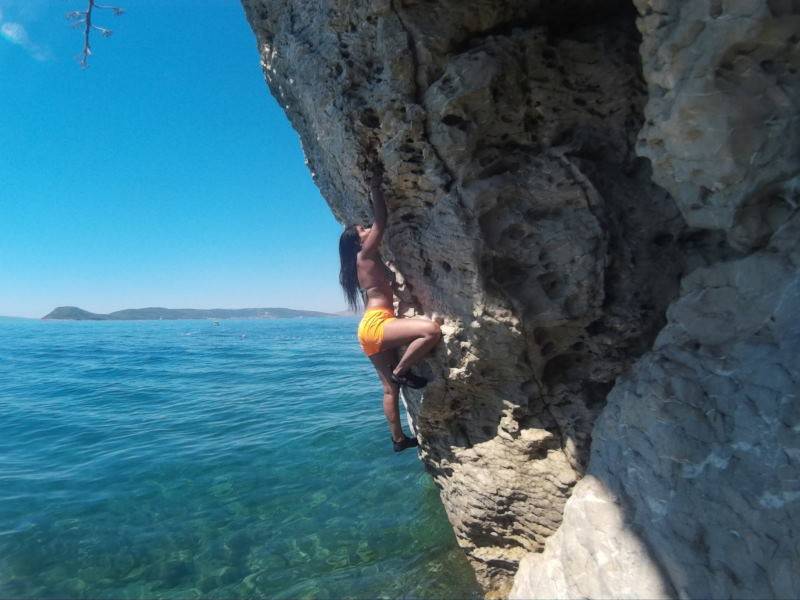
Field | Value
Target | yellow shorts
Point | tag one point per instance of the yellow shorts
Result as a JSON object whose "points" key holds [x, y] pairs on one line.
{"points": [[370, 330]]}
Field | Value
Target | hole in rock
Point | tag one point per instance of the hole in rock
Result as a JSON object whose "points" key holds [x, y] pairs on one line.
{"points": [[532, 215], [694, 237], [499, 167], [662, 239], [530, 122], [781, 8], [370, 119], [550, 284], [509, 272], [446, 266], [455, 121], [538, 453], [515, 232], [596, 392], [596, 328], [558, 367]]}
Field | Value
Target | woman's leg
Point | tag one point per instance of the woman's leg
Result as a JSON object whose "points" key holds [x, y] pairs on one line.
{"points": [[420, 335], [383, 363]]}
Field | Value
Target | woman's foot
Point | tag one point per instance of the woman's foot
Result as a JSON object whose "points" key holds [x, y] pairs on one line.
{"points": [[409, 379], [406, 442]]}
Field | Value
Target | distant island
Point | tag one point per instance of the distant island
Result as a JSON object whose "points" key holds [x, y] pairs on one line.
{"points": [[73, 313]]}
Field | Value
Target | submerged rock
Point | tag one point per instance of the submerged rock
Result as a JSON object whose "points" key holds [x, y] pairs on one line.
{"points": [[521, 141]]}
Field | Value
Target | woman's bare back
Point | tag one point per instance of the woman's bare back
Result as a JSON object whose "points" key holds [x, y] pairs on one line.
{"points": [[376, 280]]}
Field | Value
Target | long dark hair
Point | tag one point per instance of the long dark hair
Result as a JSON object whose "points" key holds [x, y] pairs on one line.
{"points": [[349, 245]]}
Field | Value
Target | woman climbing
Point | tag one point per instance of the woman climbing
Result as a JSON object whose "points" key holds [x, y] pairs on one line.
{"points": [[380, 333]]}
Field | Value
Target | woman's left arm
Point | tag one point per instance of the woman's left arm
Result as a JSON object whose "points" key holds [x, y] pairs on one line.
{"points": [[373, 241]]}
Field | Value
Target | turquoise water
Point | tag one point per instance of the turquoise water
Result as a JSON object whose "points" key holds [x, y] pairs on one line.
{"points": [[178, 459]]}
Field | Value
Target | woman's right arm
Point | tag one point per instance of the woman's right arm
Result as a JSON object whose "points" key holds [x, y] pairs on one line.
{"points": [[373, 241]]}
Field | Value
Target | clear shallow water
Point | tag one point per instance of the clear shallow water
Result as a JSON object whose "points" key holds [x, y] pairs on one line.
{"points": [[178, 459]]}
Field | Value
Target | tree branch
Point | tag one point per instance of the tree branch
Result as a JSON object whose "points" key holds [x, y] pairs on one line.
{"points": [[84, 17]]}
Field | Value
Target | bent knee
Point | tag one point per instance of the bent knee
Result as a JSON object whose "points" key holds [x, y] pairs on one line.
{"points": [[434, 331], [390, 389]]}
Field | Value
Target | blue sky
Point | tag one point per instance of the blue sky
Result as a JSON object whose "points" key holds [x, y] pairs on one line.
{"points": [[163, 175]]}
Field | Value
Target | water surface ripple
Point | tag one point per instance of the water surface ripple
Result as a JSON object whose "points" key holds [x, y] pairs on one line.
{"points": [[179, 459]]}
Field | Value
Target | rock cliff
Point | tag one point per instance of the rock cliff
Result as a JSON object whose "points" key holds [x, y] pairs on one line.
{"points": [[599, 200]]}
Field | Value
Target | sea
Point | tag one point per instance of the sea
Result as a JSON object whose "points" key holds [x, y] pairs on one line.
{"points": [[188, 459]]}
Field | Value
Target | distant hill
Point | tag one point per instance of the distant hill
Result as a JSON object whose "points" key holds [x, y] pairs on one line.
{"points": [[73, 313]]}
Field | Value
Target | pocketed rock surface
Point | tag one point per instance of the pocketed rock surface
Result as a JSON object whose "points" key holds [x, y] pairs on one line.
{"points": [[597, 200]]}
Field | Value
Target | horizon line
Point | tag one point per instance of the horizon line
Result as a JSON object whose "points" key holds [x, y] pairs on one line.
{"points": [[18, 316]]}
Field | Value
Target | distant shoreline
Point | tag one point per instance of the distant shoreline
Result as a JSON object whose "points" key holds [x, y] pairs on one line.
{"points": [[73, 313]]}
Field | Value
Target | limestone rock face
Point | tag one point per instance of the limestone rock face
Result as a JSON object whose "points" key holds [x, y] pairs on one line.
{"points": [[721, 127], [522, 217], [694, 469]]}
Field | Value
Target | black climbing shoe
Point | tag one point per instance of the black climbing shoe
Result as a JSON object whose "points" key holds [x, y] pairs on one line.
{"points": [[407, 442], [410, 380]]}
